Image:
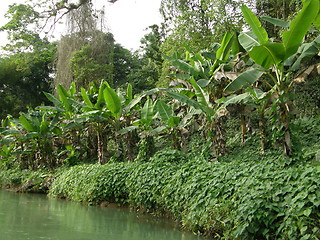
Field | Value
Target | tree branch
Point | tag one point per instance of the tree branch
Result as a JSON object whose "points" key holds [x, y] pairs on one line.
{"points": [[61, 9]]}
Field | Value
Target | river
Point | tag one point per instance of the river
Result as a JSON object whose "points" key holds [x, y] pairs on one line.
{"points": [[35, 216]]}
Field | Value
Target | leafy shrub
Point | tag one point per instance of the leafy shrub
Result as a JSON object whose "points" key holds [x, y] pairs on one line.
{"points": [[93, 183], [169, 156], [146, 182]]}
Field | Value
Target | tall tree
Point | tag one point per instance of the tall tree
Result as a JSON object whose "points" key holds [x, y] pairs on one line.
{"points": [[85, 49], [151, 58], [26, 71], [125, 64]]}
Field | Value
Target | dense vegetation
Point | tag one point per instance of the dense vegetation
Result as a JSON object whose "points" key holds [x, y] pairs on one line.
{"points": [[228, 144], [248, 199]]}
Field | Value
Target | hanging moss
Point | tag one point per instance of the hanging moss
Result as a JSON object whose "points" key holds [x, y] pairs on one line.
{"points": [[85, 49]]}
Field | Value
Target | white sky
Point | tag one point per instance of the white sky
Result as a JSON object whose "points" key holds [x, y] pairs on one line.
{"points": [[126, 19]]}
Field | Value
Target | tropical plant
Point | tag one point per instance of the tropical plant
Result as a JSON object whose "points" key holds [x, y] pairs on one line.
{"points": [[28, 142], [278, 61], [206, 74], [111, 115]]}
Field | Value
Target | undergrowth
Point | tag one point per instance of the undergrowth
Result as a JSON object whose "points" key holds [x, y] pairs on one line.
{"points": [[26, 180], [259, 198]]}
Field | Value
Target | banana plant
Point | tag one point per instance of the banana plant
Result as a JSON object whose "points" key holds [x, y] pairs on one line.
{"points": [[67, 106], [175, 124], [66, 103], [205, 66], [252, 98], [203, 106], [37, 132], [201, 71], [111, 113], [101, 111], [147, 142], [6, 151], [148, 114], [9, 141], [277, 61]]}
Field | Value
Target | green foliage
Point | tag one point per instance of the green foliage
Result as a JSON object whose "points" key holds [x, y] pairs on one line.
{"points": [[93, 183], [299, 26], [255, 197], [307, 97], [146, 148], [113, 101], [197, 24], [23, 78], [85, 53], [141, 68], [255, 25], [89, 67], [23, 29], [278, 55], [169, 156], [27, 68], [244, 195], [272, 11], [26, 180]]}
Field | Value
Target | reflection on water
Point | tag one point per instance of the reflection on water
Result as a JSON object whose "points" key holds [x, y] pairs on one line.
{"points": [[30, 216]]}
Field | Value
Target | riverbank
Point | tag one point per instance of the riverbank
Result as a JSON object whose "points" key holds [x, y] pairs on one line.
{"points": [[243, 195], [252, 197]]}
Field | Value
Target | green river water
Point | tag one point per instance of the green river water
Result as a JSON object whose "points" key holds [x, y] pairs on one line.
{"points": [[34, 216]]}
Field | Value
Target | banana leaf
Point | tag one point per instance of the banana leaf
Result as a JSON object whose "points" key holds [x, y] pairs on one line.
{"points": [[127, 130], [147, 112], [113, 101], [268, 54], [129, 96], [276, 22], [244, 80], [225, 47], [164, 111], [86, 98], [54, 100], [248, 40], [44, 125], [255, 25], [307, 50], [299, 26], [26, 124], [63, 95]]}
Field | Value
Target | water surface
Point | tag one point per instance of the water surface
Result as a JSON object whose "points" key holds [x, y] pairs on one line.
{"points": [[34, 216]]}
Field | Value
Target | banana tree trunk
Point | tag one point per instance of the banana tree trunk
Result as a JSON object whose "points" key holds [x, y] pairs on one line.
{"points": [[218, 138], [175, 139], [285, 118], [184, 139], [262, 133], [102, 148], [131, 144], [47, 153], [243, 125]]}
